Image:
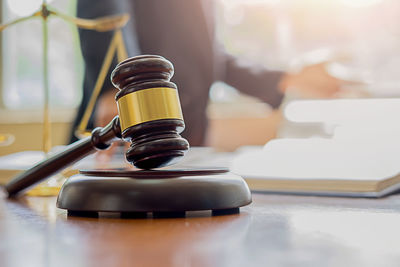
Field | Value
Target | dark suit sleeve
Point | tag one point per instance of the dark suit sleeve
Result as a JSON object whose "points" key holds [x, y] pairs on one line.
{"points": [[94, 46], [251, 80]]}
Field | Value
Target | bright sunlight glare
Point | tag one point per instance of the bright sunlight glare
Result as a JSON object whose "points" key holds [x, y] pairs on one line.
{"points": [[24, 7], [360, 3]]}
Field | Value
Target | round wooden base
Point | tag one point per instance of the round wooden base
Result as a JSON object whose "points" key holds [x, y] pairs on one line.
{"points": [[164, 193]]}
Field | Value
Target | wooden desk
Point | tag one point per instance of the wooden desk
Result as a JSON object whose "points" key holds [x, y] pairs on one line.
{"points": [[275, 230]]}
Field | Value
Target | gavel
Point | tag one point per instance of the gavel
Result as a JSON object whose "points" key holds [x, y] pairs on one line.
{"points": [[149, 117]]}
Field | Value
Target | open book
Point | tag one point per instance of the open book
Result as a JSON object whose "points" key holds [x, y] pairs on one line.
{"points": [[322, 167]]}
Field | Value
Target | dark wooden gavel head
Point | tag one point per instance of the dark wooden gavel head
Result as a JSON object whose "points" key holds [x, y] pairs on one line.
{"points": [[150, 117], [149, 111]]}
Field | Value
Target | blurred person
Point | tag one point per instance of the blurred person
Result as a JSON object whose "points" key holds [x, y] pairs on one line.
{"points": [[183, 32]]}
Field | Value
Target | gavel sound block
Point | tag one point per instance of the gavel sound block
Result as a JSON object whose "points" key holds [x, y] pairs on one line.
{"points": [[150, 118]]}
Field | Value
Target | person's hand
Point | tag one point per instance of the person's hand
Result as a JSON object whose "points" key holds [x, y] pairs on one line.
{"points": [[106, 110], [313, 82]]}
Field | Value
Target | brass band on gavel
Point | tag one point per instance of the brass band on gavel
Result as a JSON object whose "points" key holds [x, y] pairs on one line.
{"points": [[148, 105]]}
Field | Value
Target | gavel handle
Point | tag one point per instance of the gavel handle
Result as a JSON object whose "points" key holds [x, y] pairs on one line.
{"points": [[101, 138]]}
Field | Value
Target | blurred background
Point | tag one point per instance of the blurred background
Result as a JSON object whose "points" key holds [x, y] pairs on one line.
{"points": [[360, 40]]}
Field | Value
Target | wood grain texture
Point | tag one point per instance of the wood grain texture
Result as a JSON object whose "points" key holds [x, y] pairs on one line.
{"points": [[276, 230]]}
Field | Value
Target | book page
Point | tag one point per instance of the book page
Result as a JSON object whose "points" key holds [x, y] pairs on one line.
{"points": [[316, 159]]}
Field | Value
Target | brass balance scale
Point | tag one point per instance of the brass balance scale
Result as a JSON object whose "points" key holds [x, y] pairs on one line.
{"points": [[116, 47]]}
